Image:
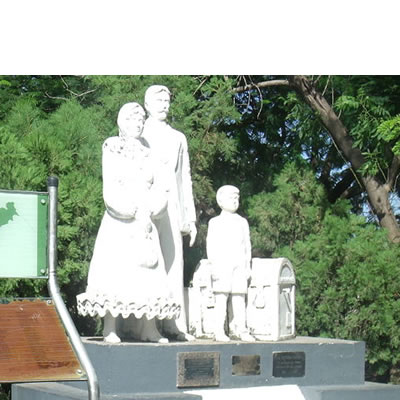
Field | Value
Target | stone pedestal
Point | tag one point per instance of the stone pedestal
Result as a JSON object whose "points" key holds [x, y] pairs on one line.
{"points": [[314, 368], [148, 367]]}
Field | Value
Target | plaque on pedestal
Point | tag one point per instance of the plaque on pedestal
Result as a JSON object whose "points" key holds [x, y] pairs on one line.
{"points": [[289, 364], [198, 369], [246, 365]]}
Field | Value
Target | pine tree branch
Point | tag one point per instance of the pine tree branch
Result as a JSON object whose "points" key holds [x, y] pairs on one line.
{"points": [[75, 95], [277, 82], [72, 92], [56, 97], [201, 84]]}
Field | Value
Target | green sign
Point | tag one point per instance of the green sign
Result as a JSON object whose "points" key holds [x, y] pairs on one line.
{"points": [[23, 234]]}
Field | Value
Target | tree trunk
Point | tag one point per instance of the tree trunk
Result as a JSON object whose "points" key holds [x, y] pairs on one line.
{"points": [[378, 193], [378, 196]]}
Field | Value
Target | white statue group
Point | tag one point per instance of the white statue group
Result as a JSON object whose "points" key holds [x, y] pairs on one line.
{"points": [[136, 271]]}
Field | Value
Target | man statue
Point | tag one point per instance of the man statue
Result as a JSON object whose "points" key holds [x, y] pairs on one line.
{"points": [[169, 151]]}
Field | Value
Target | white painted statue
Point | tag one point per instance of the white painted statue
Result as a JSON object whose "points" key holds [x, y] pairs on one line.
{"points": [[271, 299], [170, 152], [201, 299], [229, 252], [127, 275]]}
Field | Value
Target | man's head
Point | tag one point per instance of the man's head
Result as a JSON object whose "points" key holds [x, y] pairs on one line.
{"points": [[228, 198], [131, 120], [156, 101]]}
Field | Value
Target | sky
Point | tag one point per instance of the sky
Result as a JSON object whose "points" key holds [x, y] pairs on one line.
{"points": [[188, 37]]}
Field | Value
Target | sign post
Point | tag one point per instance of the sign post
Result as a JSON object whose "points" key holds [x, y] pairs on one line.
{"points": [[28, 249]]}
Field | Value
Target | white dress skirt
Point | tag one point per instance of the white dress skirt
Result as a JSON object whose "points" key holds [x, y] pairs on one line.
{"points": [[127, 274]]}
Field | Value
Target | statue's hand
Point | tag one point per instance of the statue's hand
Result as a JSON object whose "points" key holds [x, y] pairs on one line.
{"points": [[192, 233], [248, 273], [248, 270]]}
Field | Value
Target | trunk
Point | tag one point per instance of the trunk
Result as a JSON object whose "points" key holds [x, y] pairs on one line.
{"points": [[378, 193], [342, 187], [378, 196]]}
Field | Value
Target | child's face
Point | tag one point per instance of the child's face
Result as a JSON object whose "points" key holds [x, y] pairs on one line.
{"points": [[230, 202]]}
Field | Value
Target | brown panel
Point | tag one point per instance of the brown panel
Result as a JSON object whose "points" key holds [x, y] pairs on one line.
{"points": [[34, 345], [198, 369], [246, 365]]}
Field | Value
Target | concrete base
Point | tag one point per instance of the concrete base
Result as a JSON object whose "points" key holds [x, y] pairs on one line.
{"points": [[333, 370], [367, 391], [62, 391], [150, 367]]}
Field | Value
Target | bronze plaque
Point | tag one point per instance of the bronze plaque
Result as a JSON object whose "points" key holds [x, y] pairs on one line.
{"points": [[288, 364], [246, 365], [198, 369], [34, 345]]}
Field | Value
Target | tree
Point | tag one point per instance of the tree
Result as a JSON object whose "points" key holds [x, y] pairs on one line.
{"points": [[347, 287], [294, 152], [346, 269], [289, 213], [33, 146], [377, 188], [364, 148], [56, 126]]}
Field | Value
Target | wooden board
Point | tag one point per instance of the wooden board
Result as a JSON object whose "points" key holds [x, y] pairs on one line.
{"points": [[34, 345]]}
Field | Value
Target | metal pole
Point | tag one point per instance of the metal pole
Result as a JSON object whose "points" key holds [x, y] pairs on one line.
{"points": [[93, 383]]}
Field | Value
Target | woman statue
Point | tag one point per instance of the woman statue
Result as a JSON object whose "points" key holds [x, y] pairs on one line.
{"points": [[127, 275]]}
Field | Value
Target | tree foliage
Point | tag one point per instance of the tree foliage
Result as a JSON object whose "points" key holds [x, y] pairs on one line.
{"points": [[348, 287], [65, 143], [258, 133], [290, 213], [370, 161], [346, 270]]}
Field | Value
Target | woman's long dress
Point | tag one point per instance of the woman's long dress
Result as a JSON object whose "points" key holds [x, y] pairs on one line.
{"points": [[127, 274]]}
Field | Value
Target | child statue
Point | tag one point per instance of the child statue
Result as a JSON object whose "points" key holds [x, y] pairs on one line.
{"points": [[127, 276], [229, 252]]}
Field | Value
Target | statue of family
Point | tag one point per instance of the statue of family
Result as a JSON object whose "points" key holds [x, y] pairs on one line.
{"points": [[135, 279], [136, 271]]}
